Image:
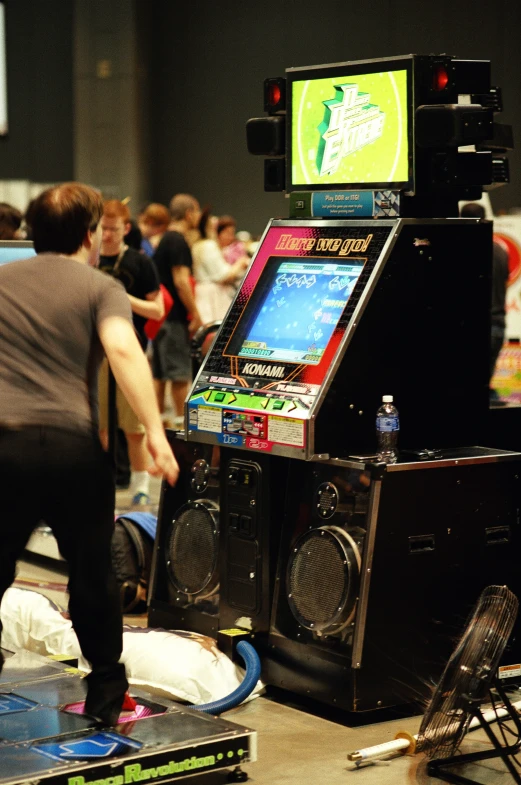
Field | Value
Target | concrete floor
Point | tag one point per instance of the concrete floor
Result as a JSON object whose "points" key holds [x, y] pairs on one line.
{"points": [[294, 745]]}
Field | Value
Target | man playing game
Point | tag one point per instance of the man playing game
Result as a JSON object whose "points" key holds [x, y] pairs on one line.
{"points": [[57, 314]]}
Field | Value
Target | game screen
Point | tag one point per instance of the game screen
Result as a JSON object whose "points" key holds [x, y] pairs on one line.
{"points": [[350, 130], [298, 309]]}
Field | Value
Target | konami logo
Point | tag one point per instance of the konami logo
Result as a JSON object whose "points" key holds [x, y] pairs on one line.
{"points": [[259, 369]]}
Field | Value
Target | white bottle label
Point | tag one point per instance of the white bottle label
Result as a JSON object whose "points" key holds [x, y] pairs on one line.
{"points": [[386, 424]]}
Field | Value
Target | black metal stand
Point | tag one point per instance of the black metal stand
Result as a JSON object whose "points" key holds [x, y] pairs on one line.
{"points": [[436, 768], [237, 775]]}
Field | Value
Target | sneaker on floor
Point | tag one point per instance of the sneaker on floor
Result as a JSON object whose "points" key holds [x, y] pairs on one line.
{"points": [[140, 499]]}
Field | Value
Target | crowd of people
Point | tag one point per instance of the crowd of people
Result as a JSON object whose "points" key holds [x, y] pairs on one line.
{"points": [[180, 267]]}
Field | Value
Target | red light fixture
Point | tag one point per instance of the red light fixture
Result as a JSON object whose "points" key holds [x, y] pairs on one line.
{"points": [[275, 95], [440, 78]]}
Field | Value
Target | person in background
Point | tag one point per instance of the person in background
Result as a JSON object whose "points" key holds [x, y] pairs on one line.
{"points": [[154, 221], [213, 275], [138, 275], [171, 349], [499, 288], [57, 315], [133, 237], [232, 248], [10, 222]]}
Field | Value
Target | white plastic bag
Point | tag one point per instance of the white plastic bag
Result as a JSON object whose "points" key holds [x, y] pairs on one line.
{"points": [[179, 665]]}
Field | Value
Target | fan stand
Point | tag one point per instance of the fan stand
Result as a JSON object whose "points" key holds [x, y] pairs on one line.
{"points": [[436, 768]]}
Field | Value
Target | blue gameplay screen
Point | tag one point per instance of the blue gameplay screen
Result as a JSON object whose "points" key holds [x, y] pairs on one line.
{"points": [[299, 311], [14, 251]]}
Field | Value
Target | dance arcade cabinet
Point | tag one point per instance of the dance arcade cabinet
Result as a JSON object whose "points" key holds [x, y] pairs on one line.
{"points": [[373, 286], [45, 738], [331, 315]]}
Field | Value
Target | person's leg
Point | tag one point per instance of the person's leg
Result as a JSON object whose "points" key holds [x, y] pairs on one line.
{"points": [[138, 454], [139, 461], [157, 369], [137, 451], [160, 388], [84, 533], [20, 506], [177, 365], [180, 391]]}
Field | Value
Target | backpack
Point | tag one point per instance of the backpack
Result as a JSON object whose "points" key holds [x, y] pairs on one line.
{"points": [[132, 548]]}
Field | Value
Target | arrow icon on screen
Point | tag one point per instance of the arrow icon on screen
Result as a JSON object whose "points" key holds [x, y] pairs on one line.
{"points": [[87, 749]]}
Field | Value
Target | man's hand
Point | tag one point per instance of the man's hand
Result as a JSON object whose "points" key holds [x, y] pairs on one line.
{"points": [[165, 464], [193, 325]]}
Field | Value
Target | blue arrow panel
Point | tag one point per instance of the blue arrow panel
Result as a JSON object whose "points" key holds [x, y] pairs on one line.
{"points": [[10, 703], [95, 747]]}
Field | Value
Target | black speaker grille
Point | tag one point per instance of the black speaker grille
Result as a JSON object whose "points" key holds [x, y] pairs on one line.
{"points": [[319, 581], [192, 548], [200, 474], [326, 500]]}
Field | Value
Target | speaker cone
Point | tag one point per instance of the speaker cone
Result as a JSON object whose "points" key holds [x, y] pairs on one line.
{"points": [[192, 550], [322, 579]]}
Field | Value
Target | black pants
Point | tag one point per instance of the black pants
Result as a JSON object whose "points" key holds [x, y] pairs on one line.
{"points": [[64, 479]]}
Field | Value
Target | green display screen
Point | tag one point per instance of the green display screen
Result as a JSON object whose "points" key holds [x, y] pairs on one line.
{"points": [[351, 130]]}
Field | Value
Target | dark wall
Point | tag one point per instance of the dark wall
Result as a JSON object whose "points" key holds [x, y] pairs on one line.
{"points": [[208, 62], [39, 44]]}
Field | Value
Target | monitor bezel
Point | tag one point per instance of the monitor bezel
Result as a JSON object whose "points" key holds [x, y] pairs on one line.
{"points": [[352, 68], [16, 243]]}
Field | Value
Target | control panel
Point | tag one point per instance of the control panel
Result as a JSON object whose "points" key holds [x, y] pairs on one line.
{"points": [[252, 418]]}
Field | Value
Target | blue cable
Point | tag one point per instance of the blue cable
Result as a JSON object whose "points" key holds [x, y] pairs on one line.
{"points": [[253, 669]]}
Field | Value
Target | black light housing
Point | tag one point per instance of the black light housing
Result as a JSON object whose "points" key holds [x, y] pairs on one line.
{"points": [[266, 135], [274, 174], [452, 125]]}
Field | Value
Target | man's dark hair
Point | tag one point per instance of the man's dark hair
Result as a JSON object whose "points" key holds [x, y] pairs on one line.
{"points": [[60, 217], [472, 210]]}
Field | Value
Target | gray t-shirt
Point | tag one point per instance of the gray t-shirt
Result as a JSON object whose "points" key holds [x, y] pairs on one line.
{"points": [[50, 311]]}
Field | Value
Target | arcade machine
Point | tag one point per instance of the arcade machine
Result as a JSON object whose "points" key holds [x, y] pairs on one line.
{"points": [[352, 575]]}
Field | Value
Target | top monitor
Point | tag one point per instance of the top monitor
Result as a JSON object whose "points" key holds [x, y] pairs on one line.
{"points": [[350, 126]]}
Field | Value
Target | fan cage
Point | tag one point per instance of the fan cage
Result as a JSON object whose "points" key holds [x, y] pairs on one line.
{"points": [[322, 579], [469, 673], [192, 548]]}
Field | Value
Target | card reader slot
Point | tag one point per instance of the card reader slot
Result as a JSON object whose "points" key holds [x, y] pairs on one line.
{"points": [[495, 535], [421, 543]]}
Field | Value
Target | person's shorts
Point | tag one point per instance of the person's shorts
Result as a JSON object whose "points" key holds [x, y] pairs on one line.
{"points": [[171, 354], [127, 420]]}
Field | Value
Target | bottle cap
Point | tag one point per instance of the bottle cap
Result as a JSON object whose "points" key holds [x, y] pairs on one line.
{"points": [[387, 398]]}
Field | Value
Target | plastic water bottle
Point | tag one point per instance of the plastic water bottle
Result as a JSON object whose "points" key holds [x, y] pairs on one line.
{"points": [[387, 430]]}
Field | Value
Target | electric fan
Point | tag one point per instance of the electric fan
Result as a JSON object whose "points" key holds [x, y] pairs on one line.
{"points": [[466, 684]]}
